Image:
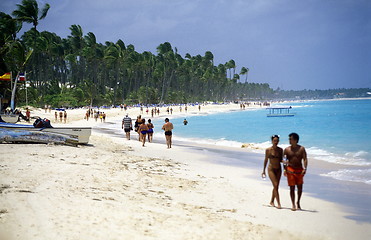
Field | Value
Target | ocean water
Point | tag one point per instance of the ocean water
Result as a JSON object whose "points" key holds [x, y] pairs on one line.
{"points": [[337, 131]]}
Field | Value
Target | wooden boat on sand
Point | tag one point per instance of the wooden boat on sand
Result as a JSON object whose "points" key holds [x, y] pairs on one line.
{"points": [[27, 133], [9, 118]]}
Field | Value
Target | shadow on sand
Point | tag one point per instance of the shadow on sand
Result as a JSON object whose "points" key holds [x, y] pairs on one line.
{"points": [[286, 208]]}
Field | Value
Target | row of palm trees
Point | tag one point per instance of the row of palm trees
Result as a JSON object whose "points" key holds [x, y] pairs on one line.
{"points": [[78, 70]]}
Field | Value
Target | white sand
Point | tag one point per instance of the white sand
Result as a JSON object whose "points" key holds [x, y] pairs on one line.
{"points": [[116, 189]]}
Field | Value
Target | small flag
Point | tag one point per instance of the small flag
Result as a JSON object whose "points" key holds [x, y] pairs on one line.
{"points": [[22, 77], [5, 77]]}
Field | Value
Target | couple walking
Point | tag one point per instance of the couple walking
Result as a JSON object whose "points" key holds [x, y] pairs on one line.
{"points": [[293, 168]]}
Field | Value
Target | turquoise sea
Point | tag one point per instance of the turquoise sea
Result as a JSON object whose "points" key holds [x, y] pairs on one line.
{"points": [[336, 131]]}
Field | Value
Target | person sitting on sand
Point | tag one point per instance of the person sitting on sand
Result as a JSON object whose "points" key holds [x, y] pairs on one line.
{"points": [[143, 128], [275, 155], [150, 130], [296, 156], [168, 127]]}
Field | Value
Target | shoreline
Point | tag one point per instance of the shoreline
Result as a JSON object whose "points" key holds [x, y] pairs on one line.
{"points": [[332, 190], [114, 187]]}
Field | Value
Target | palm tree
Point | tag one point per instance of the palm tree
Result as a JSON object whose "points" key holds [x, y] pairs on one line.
{"points": [[28, 12], [244, 71], [9, 28], [229, 65], [166, 57]]}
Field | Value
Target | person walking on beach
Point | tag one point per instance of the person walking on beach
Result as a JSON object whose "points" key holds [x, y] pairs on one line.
{"points": [[65, 116], [168, 127], [150, 130], [143, 129], [296, 157], [136, 126], [274, 154], [127, 125], [28, 114], [101, 116]]}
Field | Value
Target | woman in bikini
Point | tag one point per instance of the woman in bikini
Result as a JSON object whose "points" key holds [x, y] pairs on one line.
{"points": [[274, 154], [143, 128], [150, 130]]}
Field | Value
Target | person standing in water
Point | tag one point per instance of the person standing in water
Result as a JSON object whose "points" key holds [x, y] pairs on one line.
{"points": [[274, 154], [296, 158], [168, 127]]}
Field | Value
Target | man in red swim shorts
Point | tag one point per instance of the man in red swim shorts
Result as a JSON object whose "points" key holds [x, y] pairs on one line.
{"points": [[294, 170]]}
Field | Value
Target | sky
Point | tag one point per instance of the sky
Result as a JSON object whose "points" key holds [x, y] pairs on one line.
{"points": [[290, 44]]}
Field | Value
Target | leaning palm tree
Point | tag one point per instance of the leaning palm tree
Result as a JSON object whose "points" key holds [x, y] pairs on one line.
{"points": [[28, 12]]}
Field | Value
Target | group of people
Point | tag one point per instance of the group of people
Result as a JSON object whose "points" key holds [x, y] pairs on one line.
{"points": [[293, 159], [169, 110], [62, 116], [145, 130], [47, 108], [96, 114], [294, 164]]}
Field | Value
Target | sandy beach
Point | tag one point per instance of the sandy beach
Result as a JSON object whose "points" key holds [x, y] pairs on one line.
{"points": [[113, 188]]}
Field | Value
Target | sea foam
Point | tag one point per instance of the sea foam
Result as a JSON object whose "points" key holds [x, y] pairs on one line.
{"points": [[353, 175]]}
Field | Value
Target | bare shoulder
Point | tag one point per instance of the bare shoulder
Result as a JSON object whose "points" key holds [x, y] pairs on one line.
{"points": [[301, 148]]}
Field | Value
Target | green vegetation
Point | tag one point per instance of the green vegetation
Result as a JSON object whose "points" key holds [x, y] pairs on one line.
{"points": [[323, 94], [77, 70]]}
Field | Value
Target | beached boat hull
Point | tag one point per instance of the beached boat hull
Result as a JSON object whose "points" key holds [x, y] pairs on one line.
{"points": [[82, 134], [13, 135], [9, 118]]}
